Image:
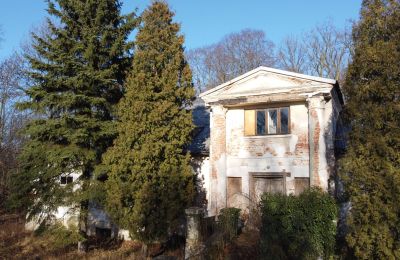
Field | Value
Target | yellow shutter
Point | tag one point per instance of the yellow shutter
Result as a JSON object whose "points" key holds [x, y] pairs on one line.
{"points": [[249, 122]]}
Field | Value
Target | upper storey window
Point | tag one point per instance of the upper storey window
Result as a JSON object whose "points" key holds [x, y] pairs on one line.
{"points": [[271, 121]]}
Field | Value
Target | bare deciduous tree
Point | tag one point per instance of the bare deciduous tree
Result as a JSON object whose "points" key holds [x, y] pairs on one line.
{"points": [[235, 54], [11, 120], [328, 50], [324, 51], [202, 74], [292, 55]]}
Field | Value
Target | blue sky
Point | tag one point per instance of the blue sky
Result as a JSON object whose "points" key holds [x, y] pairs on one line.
{"points": [[203, 21]]}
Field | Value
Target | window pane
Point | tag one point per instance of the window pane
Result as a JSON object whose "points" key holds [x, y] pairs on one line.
{"points": [[284, 120], [261, 122], [249, 122], [272, 121], [69, 179]]}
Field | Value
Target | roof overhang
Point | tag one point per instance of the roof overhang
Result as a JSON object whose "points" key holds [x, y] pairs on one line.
{"points": [[265, 84]]}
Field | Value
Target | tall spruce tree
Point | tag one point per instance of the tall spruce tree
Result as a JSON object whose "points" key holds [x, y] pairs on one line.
{"points": [[78, 72], [371, 167], [150, 180]]}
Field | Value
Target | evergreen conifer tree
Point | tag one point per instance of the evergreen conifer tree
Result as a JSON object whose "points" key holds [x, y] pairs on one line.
{"points": [[150, 181], [371, 167], [78, 72]]}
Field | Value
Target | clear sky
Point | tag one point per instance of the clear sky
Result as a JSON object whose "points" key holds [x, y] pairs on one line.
{"points": [[203, 21]]}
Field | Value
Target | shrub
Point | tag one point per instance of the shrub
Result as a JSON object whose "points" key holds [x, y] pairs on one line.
{"points": [[298, 227], [60, 236], [228, 220]]}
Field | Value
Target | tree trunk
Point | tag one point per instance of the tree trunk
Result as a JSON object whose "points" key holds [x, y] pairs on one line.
{"points": [[83, 219]]}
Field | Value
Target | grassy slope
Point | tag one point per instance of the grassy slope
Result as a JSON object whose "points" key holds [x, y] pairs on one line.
{"points": [[17, 243]]}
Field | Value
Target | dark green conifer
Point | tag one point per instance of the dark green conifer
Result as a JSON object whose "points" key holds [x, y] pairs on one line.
{"points": [[150, 180], [78, 72], [371, 167]]}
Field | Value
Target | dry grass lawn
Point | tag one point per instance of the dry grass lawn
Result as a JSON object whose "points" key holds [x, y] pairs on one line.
{"points": [[17, 243]]}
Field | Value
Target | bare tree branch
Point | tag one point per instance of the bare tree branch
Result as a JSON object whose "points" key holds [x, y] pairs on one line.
{"points": [[292, 55], [324, 51], [12, 78], [328, 50], [235, 54]]}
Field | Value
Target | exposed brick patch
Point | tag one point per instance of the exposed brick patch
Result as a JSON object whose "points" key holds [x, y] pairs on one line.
{"points": [[317, 130], [302, 144], [218, 139]]}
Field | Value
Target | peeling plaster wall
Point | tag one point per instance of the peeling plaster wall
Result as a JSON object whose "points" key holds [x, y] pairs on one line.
{"points": [[274, 153], [98, 218], [307, 152], [324, 114], [217, 196], [69, 215], [234, 155], [66, 215]]}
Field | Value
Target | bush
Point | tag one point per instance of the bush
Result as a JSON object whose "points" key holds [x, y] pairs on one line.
{"points": [[298, 227], [228, 221], [60, 236]]}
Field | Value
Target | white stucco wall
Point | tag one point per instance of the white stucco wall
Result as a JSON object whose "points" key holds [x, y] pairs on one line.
{"points": [[232, 154], [270, 153]]}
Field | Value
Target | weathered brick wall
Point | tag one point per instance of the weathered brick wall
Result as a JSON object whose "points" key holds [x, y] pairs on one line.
{"points": [[322, 120], [307, 151], [232, 154], [217, 160], [270, 154]]}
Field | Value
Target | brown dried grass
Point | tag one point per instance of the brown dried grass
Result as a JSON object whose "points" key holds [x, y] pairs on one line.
{"points": [[17, 243]]}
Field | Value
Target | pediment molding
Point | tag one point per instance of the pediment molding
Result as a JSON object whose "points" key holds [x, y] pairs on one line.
{"points": [[267, 81]]}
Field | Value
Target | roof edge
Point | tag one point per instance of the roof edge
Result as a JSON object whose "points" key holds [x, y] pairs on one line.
{"points": [[272, 70]]}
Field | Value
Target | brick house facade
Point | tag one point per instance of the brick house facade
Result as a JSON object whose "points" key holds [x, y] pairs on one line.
{"points": [[270, 131]]}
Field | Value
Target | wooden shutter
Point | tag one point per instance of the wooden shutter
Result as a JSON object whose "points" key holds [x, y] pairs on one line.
{"points": [[249, 122]]}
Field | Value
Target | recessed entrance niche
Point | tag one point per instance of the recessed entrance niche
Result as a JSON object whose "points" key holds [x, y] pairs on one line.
{"points": [[271, 182]]}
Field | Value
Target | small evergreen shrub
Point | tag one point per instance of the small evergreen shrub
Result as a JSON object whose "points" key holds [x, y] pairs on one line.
{"points": [[228, 220], [60, 236], [298, 227]]}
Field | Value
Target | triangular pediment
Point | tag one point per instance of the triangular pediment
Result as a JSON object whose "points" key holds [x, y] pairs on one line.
{"points": [[264, 81]]}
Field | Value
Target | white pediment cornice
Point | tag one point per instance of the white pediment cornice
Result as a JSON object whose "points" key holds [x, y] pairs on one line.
{"points": [[265, 81]]}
